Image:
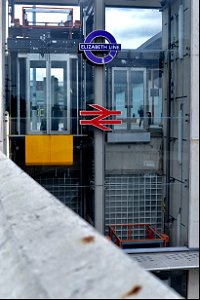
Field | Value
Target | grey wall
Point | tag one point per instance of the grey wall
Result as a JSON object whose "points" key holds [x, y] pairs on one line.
{"points": [[134, 158]]}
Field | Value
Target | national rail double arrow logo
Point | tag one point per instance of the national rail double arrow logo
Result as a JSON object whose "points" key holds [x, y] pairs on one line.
{"points": [[101, 113]]}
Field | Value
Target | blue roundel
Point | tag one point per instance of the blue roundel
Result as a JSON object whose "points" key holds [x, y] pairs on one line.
{"points": [[113, 47]]}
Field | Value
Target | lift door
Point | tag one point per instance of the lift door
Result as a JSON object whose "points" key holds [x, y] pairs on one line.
{"points": [[129, 96], [49, 93]]}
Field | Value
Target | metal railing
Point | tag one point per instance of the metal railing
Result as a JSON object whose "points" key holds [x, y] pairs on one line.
{"points": [[123, 235], [49, 252]]}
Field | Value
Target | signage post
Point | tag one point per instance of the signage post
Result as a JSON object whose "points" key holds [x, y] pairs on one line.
{"points": [[99, 149], [100, 42]]}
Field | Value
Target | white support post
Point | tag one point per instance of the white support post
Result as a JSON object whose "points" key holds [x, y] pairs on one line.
{"points": [[194, 129], [193, 276]]}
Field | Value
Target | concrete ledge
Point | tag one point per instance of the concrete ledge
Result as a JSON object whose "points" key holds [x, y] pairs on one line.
{"points": [[48, 252]]}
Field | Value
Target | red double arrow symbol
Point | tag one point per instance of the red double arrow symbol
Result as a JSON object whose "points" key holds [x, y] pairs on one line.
{"points": [[101, 113]]}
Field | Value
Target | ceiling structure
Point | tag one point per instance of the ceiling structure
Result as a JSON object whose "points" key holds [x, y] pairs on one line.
{"points": [[132, 3], [47, 2], [112, 3]]}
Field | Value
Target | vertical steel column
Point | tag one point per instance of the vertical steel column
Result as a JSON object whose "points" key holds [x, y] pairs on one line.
{"points": [[99, 136], [193, 284], [2, 66], [34, 100], [153, 98], [168, 138]]}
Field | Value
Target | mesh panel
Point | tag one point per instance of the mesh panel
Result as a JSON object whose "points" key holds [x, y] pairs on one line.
{"points": [[134, 199], [67, 190]]}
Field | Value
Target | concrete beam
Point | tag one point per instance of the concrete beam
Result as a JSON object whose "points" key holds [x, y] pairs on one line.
{"points": [[48, 252]]}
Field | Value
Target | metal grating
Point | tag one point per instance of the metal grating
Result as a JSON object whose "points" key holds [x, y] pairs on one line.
{"points": [[168, 261], [134, 199], [67, 190]]}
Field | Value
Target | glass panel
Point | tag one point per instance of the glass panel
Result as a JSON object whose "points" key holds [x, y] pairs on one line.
{"points": [[120, 96], [177, 279], [59, 96], [133, 27], [75, 102], [135, 181], [155, 97], [38, 113], [137, 85], [146, 173]]}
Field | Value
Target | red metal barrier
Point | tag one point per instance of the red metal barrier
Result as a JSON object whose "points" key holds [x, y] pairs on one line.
{"points": [[128, 232]]}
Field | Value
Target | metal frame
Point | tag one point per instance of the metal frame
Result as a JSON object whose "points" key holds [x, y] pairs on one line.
{"points": [[46, 2], [24, 8], [133, 3], [134, 199], [113, 3], [48, 58], [18, 99]]}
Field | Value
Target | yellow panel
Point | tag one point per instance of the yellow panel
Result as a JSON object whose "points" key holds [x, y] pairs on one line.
{"points": [[49, 150], [61, 150], [37, 150]]}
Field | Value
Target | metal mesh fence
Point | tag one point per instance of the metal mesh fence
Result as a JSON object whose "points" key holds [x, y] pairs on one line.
{"points": [[67, 190], [134, 199]]}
